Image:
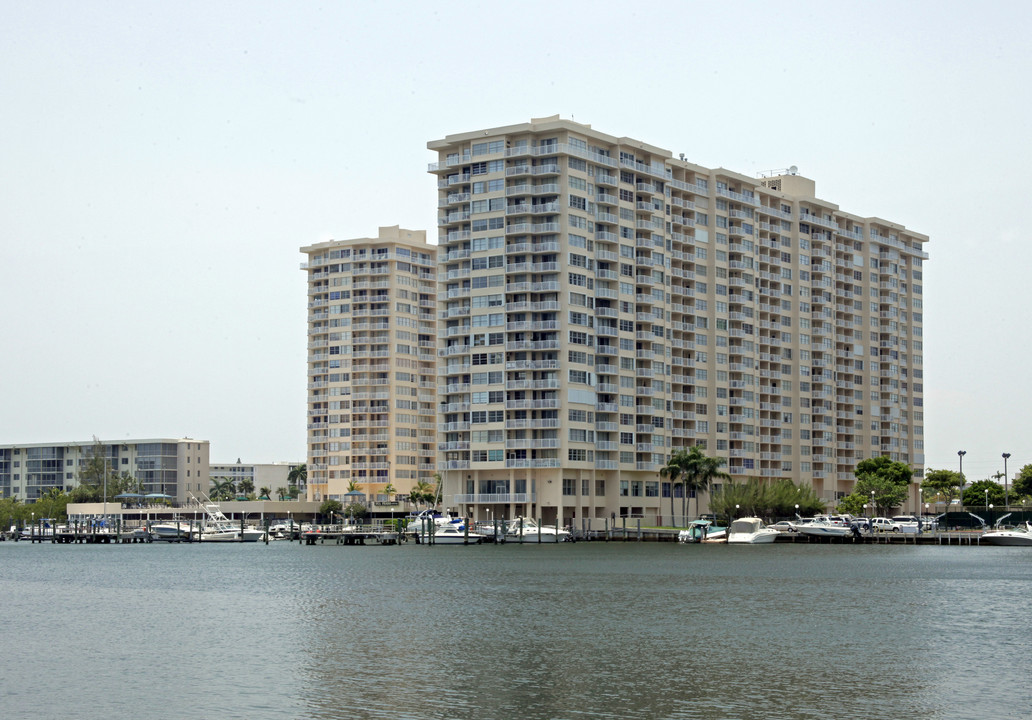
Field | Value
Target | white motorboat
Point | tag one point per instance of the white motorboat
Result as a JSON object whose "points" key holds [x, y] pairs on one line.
{"points": [[750, 531], [428, 518], [173, 531], [286, 530], [1021, 535], [527, 530], [822, 526], [452, 534]]}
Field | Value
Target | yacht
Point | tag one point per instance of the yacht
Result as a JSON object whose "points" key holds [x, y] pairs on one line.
{"points": [[1021, 535], [527, 530], [219, 528], [452, 534], [750, 531]]}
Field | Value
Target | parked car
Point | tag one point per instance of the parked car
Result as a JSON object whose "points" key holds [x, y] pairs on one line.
{"points": [[881, 523], [904, 523], [783, 526]]}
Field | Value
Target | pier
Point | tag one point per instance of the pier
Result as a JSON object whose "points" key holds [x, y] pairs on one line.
{"points": [[351, 535]]}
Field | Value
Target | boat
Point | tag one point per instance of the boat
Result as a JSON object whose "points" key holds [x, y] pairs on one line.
{"points": [[1021, 535], [172, 531], [219, 528], [750, 531], [823, 526], [702, 531], [418, 524], [527, 530], [452, 534], [494, 531], [285, 530]]}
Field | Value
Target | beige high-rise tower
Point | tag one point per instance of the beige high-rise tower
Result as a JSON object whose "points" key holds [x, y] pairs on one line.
{"points": [[604, 303], [372, 364]]}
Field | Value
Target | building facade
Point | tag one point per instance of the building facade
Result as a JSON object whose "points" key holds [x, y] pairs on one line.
{"points": [[164, 466], [372, 337], [273, 476], [604, 304]]}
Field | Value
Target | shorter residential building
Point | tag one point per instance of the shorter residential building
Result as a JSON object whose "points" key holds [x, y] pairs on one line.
{"points": [[173, 467], [274, 476]]}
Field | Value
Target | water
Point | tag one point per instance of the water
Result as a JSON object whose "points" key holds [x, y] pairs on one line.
{"points": [[586, 630]]}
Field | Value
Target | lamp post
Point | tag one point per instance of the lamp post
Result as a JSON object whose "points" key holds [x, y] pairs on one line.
{"points": [[1006, 482], [960, 490], [987, 498], [874, 505]]}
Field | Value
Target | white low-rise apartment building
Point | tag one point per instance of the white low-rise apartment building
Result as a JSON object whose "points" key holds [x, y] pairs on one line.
{"points": [[173, 467], [274, 476]]}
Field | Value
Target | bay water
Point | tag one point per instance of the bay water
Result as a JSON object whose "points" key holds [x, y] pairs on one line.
{"points": [[621, 630]]}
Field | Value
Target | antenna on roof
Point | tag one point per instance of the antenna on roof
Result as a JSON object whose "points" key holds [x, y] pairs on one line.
{"points": [[793, 170]]}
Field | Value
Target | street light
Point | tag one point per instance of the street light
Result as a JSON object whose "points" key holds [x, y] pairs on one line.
{"points": [[1006, 482], [874, 505], [987, 498], [960, 490]]}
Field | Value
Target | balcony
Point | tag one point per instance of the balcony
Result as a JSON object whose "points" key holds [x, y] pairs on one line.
{"points": [[487, 498]]}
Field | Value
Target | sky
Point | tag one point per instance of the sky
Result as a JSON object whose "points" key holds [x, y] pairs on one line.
{"points": [[161, 164]]}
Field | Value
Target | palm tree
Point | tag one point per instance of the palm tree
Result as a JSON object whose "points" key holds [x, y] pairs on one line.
{"points": [[674, 469], [421, 492], [263, 494], [703, 470], [298, 474], [222, 488], [281, 492], [297, 477], [246, 487]]}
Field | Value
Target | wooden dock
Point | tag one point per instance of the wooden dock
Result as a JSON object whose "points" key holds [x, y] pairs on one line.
{"points": [[350, 536]]}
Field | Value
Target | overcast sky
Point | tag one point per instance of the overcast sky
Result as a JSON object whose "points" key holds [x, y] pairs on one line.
{"points": [[161, 164]]}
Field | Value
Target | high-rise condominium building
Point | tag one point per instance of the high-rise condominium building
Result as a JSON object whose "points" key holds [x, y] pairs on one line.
{"points": [[604, 303], [372, 364]]}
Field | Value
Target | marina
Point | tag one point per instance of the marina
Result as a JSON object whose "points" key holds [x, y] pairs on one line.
{"points": [[381, 534]]}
